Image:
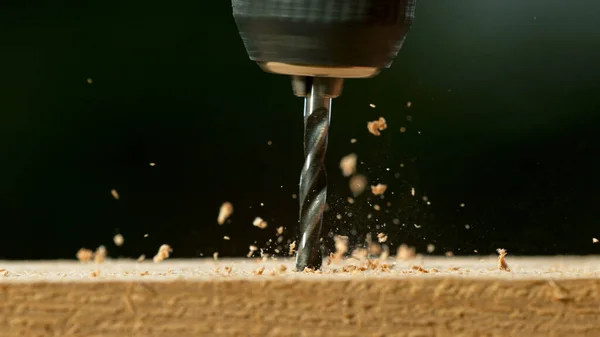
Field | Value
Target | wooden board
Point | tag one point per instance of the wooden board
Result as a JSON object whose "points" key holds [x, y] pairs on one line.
{"points": [[556, 296]]}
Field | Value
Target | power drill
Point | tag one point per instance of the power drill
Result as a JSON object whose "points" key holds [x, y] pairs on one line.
{"points": [[319, 43]]}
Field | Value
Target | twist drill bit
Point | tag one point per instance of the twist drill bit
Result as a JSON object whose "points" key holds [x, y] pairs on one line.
{"points": [[313, 179]]}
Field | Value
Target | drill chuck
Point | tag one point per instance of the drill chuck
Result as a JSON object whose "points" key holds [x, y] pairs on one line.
{"points": [[323, 38]]}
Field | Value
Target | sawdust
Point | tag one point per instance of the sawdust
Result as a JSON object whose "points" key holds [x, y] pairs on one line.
{"points": [[341, 248], [115, 194], [251, 251], [224, 212], [502, 265], [259, 271], [348, 164], [85, 255], [376, 126], [260, 223], [164, 252], [378, 189], [357, 183], [405, 252], [118, 240], [100, 255]]}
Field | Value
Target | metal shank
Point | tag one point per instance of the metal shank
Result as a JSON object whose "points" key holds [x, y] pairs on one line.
{"points": [[313, 179]]}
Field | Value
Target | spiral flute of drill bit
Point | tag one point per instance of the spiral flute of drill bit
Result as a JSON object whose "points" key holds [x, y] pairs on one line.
{"points": [[313, 179]]}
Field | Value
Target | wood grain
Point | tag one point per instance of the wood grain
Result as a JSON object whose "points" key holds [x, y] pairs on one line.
{"points": [[555, 296]]}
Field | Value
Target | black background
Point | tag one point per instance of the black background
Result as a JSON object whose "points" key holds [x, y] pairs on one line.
{"points": [[504, 119]]}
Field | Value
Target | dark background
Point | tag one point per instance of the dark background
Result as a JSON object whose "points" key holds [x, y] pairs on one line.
{"points": [[504, 95]]}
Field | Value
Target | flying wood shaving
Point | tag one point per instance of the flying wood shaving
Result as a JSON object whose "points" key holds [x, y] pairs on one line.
{"points": [[118, 240], [224, 212], [430, 248], [594, 240], [502, 265], [279, 230], [378, 189], [115, 194], [405, 252], [341, 247], [381, 237], [358, 183], [215, 256], [100, 254], [226, 238], [260, 223], [164, 252], [412, 191], [252, 250], [376, 126], [84, 255], [348, 164], [292, 248], [449, 253], [377, 207]]}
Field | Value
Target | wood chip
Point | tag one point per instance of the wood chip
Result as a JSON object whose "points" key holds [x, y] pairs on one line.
{"points": [[95, 273], [224, 212], [141, 258], [594, 240], [502, 265], [118, 240], [405, 252], [420, 269], [378, 189], [292, 248], [164, 252], [341, 247], [357, 183], [376, 126], [348, 164], [382, 237], [259, 271], [84, 255], [279, 230], [252, 250], [100, 254], [260, 223], [115, 194], [145, 273], [226, 238]]}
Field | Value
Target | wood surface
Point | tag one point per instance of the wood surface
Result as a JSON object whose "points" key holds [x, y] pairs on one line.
{"points": [[457, 296]]}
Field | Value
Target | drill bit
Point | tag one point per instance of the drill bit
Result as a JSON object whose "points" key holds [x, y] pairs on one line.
{"points": [[313, 179]]}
